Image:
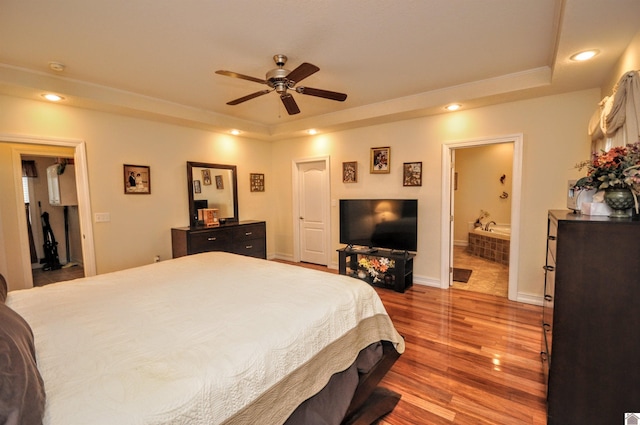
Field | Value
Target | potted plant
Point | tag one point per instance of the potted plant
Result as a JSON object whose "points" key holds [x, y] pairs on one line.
{"points": [[617, 172]]}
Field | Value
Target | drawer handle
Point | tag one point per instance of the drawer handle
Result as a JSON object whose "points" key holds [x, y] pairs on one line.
{"points": [[549, 268], [551, 238], [211, 239], [248, 233], [546, 327], [249, 246], [544, 356], [548, 298]]}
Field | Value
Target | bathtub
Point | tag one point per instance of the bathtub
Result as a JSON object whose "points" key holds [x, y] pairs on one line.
{"points": [[500, 231], [493, 244]]}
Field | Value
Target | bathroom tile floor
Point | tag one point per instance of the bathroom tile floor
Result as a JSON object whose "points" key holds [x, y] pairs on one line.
{"points": [[487, 276]]}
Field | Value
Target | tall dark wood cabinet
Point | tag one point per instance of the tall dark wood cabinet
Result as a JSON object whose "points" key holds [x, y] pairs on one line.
{"points": [[591, 318], [246, 238]]}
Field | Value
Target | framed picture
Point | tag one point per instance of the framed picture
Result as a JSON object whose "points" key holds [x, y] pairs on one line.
{"points": [[137, 179], [380, 160], [206, 177], [350, 172], [412, 174], [219, 184], [196, 186], [257, 182]]}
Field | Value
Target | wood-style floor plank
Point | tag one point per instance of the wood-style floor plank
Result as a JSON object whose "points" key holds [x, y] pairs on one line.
{"points": [[470, 359]]}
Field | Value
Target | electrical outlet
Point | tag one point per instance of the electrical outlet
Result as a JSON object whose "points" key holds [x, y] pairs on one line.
{"points": [[102, 217], [156, 259]]}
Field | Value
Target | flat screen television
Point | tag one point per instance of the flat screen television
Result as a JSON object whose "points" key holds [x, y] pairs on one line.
{"points": [[379, 223]]}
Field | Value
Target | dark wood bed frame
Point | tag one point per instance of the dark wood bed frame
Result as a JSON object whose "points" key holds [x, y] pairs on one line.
{"points": [[371, 402]]}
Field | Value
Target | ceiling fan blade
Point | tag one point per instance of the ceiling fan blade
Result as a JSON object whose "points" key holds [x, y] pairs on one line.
{"points": [[248, 97], [340, 97], [290, 103], [302, 72], [244, 77]]}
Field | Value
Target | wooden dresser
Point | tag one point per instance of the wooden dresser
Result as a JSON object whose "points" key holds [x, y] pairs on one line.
{"points": [[245, 237], [591, 313]]}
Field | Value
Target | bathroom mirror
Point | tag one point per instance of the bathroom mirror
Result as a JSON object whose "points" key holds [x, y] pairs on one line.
{"points": [[212, 186]]}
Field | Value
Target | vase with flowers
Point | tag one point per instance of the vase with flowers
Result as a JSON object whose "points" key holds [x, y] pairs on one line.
{"points": [[375, 268], [617, 172]]}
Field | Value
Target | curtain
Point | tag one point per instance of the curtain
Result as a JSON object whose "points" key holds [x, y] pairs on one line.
{"points": [[623, 119], [29, 169], [32, 245]]}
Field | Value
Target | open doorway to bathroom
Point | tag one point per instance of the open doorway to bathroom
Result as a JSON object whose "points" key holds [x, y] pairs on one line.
{"points": [[480, 214], [482, 218]]}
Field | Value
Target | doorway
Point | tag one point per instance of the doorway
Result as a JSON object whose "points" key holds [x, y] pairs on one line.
{"points": [[19, 260], [311, 212], [448, 210], [482, 218], [53, 225]]}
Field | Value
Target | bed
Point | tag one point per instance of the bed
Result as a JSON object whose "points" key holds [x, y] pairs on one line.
{"points": [[212, 338]]}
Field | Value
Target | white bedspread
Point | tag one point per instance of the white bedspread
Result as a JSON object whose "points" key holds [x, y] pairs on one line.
{"points": [[193, 340]]}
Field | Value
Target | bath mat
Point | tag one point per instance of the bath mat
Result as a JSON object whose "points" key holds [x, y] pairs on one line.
{"points": [[461, 275]]}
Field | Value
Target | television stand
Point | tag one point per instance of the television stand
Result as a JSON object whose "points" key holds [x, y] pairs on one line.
{"points": [[399, 277], [360, 250]]}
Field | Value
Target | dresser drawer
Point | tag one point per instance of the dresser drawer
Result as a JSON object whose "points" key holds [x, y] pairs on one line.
{"points": [[212, 240], [246, 238], [552, 239], [249, 232], [252, 248]]}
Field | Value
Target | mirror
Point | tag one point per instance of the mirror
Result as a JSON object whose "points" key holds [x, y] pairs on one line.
{"points": [[212, 186]]}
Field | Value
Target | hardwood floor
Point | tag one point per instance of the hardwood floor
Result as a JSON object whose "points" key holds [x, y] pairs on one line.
{"points": [[470, 358], [41, 277]]}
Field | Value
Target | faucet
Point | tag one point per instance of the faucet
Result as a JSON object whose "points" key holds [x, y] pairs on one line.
{"points": [[486, 226]]}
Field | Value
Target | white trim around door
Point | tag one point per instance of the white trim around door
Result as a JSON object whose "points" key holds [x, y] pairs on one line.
{"points": [[326, 205], [82, 184], [447, 214]]}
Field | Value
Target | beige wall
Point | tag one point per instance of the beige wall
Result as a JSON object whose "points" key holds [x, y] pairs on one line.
{"points": [[140, 224], [554, 130], [479, 187], [555, 137], [629, 61]]}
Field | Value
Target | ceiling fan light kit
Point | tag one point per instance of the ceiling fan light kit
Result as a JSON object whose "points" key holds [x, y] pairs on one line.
{"points": [[281, 80]]}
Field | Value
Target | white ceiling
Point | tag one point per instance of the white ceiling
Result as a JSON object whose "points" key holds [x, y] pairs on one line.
{"points": [[394, 59]]}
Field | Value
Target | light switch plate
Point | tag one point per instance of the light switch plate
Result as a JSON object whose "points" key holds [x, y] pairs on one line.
{"points": [[102, 217]]}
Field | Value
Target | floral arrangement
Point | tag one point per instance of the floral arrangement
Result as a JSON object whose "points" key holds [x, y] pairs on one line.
{"points": [[376, 266], [619, 167], [483, 214]]}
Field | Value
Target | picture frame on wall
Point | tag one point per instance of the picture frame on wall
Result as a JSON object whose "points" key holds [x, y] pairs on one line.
{"points": [[380, 160], [350, 172], [196, 186], [256, 181], [412, 174], [206, 177], [137, 179], [219, 183]]}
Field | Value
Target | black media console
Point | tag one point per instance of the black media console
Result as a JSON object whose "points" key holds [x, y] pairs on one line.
{"points": [[383, 268]]}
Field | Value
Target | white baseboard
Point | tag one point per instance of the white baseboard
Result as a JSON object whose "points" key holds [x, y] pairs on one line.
{"points": [[529, 298]]}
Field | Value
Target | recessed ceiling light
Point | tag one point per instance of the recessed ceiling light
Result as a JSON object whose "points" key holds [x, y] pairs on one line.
{"points": [[56, 66], [453, 107], [584, 56], [52, 97], [235, 132], [312, 131]]}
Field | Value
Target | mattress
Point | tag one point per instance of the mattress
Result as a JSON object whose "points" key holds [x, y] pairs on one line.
{"points": [[212, 338]]}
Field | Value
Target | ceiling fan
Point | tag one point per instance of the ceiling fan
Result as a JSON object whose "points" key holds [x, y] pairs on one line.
{"points": [[281, 80]]}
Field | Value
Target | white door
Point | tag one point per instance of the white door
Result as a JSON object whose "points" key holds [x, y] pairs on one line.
{"points": [[313, 211], [452, 187]]}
